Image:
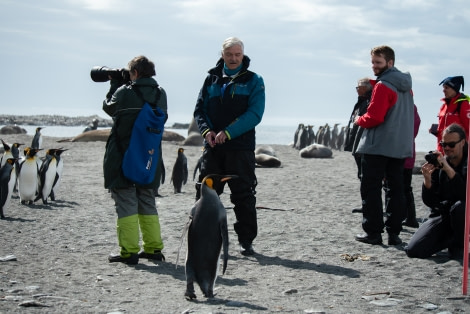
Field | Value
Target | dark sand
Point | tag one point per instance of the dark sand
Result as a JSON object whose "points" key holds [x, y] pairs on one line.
{"points": [[304, 238]]}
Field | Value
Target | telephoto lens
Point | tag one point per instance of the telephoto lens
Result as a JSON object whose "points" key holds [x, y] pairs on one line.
{"points": [[103, 73]]}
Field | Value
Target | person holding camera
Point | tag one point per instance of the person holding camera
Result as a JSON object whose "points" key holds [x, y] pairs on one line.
{"points": [[444, 191], [135, 204], [384, 147], [455, 109], [229, 107]]}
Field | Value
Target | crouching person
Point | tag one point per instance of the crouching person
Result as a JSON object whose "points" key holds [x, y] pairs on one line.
{"points": [[444, 191]]}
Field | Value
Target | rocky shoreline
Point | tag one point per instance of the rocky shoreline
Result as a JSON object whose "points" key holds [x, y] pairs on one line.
{"points": [[52, 120], [48, 120]]}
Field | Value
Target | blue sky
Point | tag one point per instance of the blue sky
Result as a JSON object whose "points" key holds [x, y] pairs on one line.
{"points": [[310, 53]]}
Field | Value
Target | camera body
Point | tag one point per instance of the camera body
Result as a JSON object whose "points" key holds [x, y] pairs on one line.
{"points": [[102, 74], [431, 158]]}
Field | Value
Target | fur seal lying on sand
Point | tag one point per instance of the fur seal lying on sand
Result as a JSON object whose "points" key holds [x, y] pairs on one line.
{"points": [[316, 151], [103, 134], [265, 156]]}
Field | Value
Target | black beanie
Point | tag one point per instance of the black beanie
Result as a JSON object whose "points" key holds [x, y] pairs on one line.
{"points": [[453, 82]]}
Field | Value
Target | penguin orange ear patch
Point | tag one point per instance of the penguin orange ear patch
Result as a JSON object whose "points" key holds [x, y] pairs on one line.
{"points": [[209, 182]]}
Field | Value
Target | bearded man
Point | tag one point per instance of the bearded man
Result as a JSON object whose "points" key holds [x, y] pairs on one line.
{"points": [[385, 143]]}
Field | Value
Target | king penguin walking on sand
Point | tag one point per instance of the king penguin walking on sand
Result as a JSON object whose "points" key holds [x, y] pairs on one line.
{"points": [[7, 183], [207, 235], [28, 176], [37, 139]]}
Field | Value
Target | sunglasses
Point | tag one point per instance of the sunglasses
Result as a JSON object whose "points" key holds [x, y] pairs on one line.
{"points": [[450, 144]]}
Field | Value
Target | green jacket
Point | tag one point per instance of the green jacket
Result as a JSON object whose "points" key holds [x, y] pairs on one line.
{"points": [[123, 105]]}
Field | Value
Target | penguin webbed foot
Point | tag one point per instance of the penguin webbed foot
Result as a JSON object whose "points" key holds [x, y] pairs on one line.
{"points": [[209, 294], [190, 295]]}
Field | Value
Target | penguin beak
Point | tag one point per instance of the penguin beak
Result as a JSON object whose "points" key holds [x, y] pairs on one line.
{"points": [[226, 178]]}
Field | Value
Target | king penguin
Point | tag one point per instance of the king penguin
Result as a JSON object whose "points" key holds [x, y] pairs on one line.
{"points": [[6, 153], [207, 235], [60, 167], [47, 175], [179, 175], [7, 183], [28, 176], [37, 139]]}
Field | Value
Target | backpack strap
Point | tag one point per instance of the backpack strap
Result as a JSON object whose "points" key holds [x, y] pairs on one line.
{"points": [[138, 92]]}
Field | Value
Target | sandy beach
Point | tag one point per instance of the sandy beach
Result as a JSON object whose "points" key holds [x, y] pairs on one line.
{"points": [[307, 261]]}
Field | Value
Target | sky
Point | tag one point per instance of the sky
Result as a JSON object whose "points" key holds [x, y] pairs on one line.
{"points": [[310, 53]]}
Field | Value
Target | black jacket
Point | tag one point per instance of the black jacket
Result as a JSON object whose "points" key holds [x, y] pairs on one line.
{"points": [[354, 132]]}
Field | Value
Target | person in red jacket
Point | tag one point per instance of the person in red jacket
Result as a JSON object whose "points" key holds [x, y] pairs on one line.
{"points": [[455, 109]]}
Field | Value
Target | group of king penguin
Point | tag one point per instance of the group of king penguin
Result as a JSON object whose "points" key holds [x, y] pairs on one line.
{"points": [[30, 176]]}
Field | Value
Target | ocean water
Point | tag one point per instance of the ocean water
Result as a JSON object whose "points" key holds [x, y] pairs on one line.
{"points": [[265, 134]]}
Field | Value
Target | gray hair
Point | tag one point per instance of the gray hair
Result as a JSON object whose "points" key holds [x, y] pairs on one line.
{"points": [[232, 41], [365, 81]]}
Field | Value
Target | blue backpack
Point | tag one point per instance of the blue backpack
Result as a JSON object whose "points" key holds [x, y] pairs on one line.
{"points": [[141, 158]]}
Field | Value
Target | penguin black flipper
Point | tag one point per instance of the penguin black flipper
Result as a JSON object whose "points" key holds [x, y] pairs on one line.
{"points": [[224, 234], [6, 184], [185, 170], [42, 177], [4, 179], [56, 179], [163, 172]]}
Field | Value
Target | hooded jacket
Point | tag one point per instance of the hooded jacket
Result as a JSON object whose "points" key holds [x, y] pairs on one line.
{"points": [[455, 110], [124, 105], [389, 120], [235, 109]]}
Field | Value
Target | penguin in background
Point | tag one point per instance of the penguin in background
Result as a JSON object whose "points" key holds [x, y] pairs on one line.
{"points": [[311, 135], [28, 176], [6, 153], [162, 179], [296, 134], [15, 152], [340, 140], [179, 175], [7, 183], [60, 167], [326, 135], [37, 139], [319, 137], [207, 237], [47, 175], [334, 136]]}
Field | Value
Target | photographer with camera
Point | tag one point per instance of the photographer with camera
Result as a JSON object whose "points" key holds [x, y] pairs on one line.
{"points": [[444, 191], [135, 204]]}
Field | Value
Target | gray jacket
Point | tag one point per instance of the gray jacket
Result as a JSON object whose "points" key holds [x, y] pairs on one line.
{"points": [[394, 136]]}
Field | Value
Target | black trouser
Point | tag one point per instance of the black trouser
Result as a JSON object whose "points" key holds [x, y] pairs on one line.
{"points": [[242, 164], [410, 213], [358, 159], [439, 232], [374, 169]]}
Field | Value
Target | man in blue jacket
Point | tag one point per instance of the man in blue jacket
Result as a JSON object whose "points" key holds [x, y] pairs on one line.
{"points": [[229, 106], [385, 143]]}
